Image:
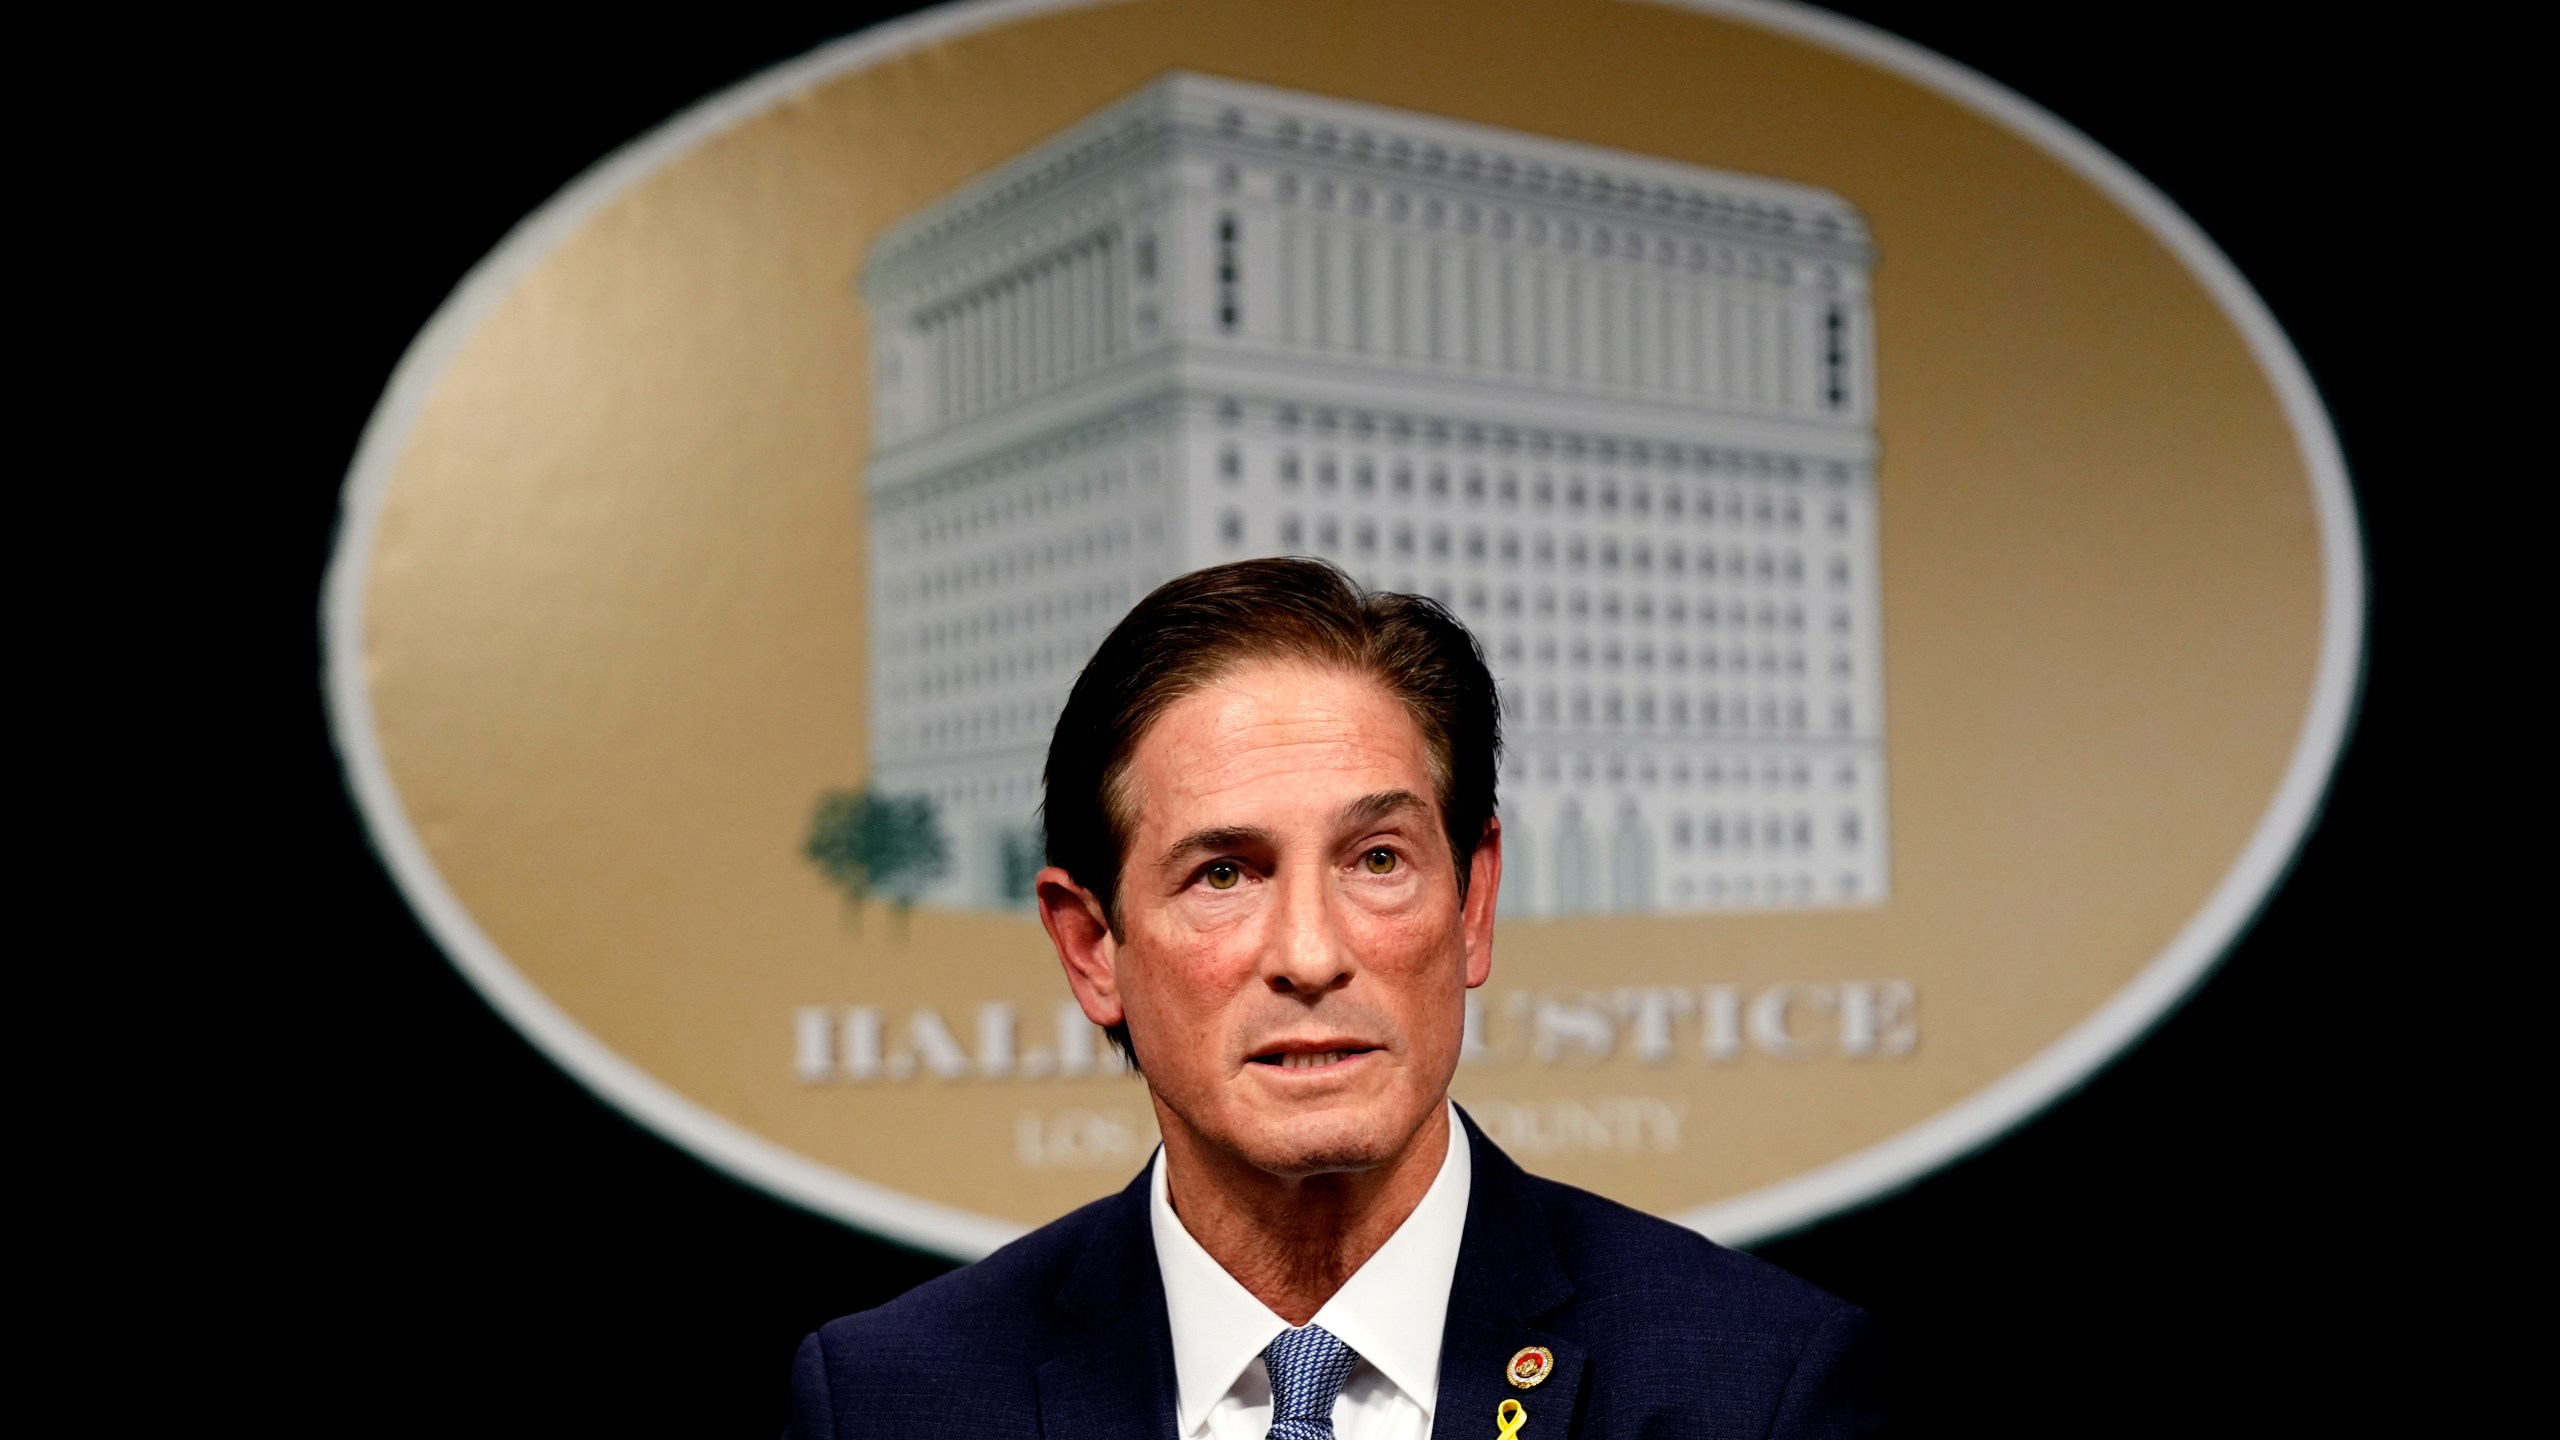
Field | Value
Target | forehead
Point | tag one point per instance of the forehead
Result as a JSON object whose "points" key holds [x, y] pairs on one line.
{"points": [[1271, 734]]}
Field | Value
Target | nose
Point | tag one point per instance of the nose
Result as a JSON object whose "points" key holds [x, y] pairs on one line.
{"points": [[1307, 953]]}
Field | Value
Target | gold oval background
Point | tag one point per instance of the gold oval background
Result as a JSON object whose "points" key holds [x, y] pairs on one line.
{"points": [[613, 633]]}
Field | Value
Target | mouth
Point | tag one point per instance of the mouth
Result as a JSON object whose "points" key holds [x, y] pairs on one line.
{"points": [[1310, 1059]]}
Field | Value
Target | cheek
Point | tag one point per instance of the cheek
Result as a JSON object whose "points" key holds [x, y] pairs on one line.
{"points": [[1192, 962], [1405, 940], [1201, 918]]}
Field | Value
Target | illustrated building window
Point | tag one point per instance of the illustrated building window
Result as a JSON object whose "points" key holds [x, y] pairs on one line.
{"points": [[1835, 358]]}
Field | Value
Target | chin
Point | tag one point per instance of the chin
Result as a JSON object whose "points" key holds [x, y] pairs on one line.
{"points": [[1318, 1144]]}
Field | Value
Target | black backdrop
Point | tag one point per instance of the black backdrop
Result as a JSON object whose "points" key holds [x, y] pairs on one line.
{"points": [[468, 1241]]}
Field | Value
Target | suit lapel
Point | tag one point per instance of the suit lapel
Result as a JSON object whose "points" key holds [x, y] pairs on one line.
{"points": [[1508, 1282], [1114, 1380]]}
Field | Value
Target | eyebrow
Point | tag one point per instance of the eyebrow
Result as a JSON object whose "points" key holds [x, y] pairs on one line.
{"points": [[1217, 837], [1368, 810], [1360, 814]]}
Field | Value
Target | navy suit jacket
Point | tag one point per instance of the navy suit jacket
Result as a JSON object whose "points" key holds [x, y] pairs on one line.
{"points": [[1656, 1330]]}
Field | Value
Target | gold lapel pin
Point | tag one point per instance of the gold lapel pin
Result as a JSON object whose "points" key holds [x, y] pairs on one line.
{"points": [[1530, 1368]]}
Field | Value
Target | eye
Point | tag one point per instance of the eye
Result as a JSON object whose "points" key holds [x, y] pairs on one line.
{"points": [[1223, 875], [1381, 861]]}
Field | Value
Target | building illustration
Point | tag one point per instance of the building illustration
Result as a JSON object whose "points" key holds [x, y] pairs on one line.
{"points": [[1616, 412]]}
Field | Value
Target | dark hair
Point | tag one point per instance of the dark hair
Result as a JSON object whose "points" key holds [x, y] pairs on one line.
{"points": [[1195, 628]]}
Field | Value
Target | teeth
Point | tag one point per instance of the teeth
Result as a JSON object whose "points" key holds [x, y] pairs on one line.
{"points": [[1310, 1060]]}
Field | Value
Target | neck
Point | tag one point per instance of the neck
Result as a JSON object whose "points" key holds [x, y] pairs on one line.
{"points": [[1293, 1240]]}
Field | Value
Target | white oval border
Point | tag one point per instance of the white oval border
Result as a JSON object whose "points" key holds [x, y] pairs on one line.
{"points": [[1854, 1179]]}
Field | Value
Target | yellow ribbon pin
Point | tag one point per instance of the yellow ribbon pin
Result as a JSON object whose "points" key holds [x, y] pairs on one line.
{"points": [[1510, 1416]]}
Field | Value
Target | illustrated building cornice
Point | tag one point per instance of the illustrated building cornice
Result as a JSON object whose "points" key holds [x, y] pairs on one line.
{"points": [[1387, 148]]}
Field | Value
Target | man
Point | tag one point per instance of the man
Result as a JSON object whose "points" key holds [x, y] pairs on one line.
{"points": [[1274, 860]]}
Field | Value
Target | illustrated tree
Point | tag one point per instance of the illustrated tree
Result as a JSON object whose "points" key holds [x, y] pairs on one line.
{"points": [[873, 844], [1021, 859]]}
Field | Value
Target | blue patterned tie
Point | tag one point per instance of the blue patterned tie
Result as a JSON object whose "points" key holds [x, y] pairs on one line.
{"points": [[1307, 1368]]}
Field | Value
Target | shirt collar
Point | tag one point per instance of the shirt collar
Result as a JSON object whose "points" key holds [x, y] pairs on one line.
{"points": [[1392, 1310]]}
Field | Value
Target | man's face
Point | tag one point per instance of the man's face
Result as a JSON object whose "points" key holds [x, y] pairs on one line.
{"points": [[1294, 953]]}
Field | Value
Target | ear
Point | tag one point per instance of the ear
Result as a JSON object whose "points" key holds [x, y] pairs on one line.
{"points": [[1077, 927], [1484, 886]]}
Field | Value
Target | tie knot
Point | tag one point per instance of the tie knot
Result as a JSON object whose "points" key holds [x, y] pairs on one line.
{"points": [[1308, 1366]]}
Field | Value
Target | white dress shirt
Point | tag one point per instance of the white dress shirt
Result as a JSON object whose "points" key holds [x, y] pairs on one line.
{"points": [[1391, 1311]]}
